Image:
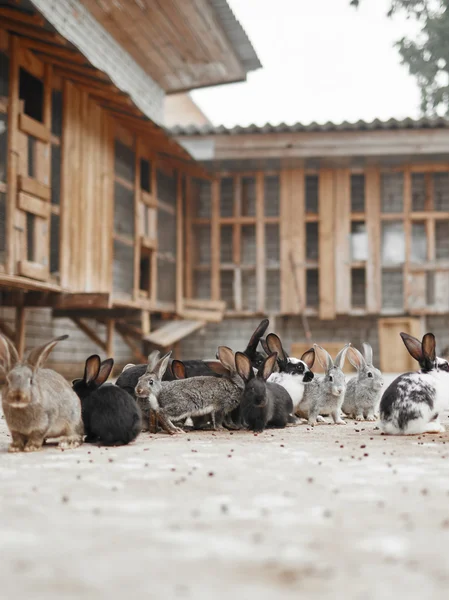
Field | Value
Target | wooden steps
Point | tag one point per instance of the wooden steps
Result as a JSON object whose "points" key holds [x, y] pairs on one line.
{"points": [[173, 332]]}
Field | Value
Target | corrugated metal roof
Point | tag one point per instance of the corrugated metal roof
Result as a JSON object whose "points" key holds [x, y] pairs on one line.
{"points": [[377, 124], [236, 35]]}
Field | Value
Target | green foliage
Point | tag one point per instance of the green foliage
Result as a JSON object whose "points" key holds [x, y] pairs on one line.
{"points": [[427, 56]]}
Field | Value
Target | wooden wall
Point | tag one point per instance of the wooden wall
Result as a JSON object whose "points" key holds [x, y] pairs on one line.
{"points": [[87, 197]]}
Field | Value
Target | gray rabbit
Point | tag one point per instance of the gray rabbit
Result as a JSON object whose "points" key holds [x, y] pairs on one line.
{"points": [[193, 397], [38, 403], [363, 391], [325, 395]]}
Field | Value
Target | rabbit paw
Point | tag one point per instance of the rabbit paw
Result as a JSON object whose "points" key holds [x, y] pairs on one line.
{"points": [[371, 418], [32, 447], [359, 417], [340, 422], [70, 442], [15, 448], [321, 419]]}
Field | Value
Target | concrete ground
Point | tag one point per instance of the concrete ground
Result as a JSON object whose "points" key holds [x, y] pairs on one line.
{"points": [[330, 512]]}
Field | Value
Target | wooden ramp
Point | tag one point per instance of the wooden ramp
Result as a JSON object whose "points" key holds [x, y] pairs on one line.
{"points": [[173, 332]]}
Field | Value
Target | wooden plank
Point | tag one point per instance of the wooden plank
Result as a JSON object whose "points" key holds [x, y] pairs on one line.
{"points": [[34, 188], [407, 233], [110, 329], [430, 231], [90, 333], [209, 316], [33, 270], [215, 241], [20, 330], [179, 245], [393, 356], [31, 63], [26, 30], [285, 240], [297, 252], [34, 128], [173, 332], [237, 244], [29, 19], [326, 245], [342, 241], [154, 266], [13, 151], [260, 244], [373, 227], [218, 305], [34, 205]]}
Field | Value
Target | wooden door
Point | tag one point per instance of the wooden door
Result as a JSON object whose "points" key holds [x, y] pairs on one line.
{"points": [[394, 357]]}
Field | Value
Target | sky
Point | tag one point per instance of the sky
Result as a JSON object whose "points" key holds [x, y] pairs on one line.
{"points": [[323, 60]]}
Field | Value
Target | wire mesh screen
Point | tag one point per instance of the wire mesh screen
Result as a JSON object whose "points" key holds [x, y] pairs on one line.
{"points": [[249, 245], [4, 74], [31, 151], [312, 288], [56, 112], [418, 191], [145, 175], [272, 245], [419, 242], [227, 288], [166, 225], [226, 197], [226, 244], [392, 289], [272, 196], [201, 196], [2, 227], [358, 288], [312, 194], [166, 187], [392, 192], [3, 146], [124, 162], [273, 291], [123, 268], [441, 191], [123, 210], [201, 240], [357, 193], [54, 244], [442, 240], [312, 245], [249, 295], [166, 279], [55, 174], [248, 196], [201, 282], [30, 221]]}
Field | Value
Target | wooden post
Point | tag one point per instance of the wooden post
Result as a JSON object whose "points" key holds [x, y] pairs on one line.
{"points": [[285, 235], [237, 244], [326, 245], [342, 239], [188, 254], [297, 279], [407, 233], [260, 243], [215, 241], [137, 223], [179, 246], [110, 329], [13, 150], [373, 227], [20, 330]]}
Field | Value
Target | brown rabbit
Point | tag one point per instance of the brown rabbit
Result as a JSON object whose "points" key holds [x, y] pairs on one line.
{"points": [[38, 403]]}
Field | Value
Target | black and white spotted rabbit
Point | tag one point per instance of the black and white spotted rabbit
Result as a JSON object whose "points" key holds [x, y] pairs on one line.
{"points": [[414, 402]]}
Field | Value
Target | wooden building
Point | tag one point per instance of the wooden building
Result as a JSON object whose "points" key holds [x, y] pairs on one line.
{"points": [[94, 192], [345, 224]]}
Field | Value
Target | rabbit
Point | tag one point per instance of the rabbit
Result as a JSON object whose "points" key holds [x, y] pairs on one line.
{"points": [[362, 395], [38, 403], [325, 395], [413, 402], [111, 416], [263, 404], [294, 374], [196, 396]]}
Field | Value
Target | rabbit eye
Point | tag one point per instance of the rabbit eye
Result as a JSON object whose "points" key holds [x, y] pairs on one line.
{"points": [[151, 382], [370, 374], [331, 378]]}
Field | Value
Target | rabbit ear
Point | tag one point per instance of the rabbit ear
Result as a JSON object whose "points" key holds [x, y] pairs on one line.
{"points": [[368, 353], [178, 369], [324, 358], [92, 368], [275, 345], [428, 350], [128, 366], [414, 346], [309, 357], [105, 370], [264, 345], [243, 366], [266, 369], [356, 359], [38, 356], [161, 366], [8, 354], [226, 357], [217, 367], [340, 358], [255, 338], [153, 357]]}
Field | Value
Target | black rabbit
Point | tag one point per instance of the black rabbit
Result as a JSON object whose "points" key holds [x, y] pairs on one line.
{"points": [[263, 404], [111, 416]]}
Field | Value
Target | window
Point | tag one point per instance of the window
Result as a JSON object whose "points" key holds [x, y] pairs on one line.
{"points": [[31, 91]]}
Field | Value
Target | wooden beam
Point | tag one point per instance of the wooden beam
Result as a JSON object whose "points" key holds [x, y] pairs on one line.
{"points": [[297, 249], [326, 245], [6, 330], [179, 244], [342, 241], [34, 187], [33, 270], [29, 31], [237, 243], [34, 205], [215, 241], [260, 244], [407, 233], [89, 332], [13, 150], [189, 237], [373, 227], [55, 50], [137, 221], [20, 330], [110, 329], [11, 13], [205, 304], [34, 128], [285, 240]]}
